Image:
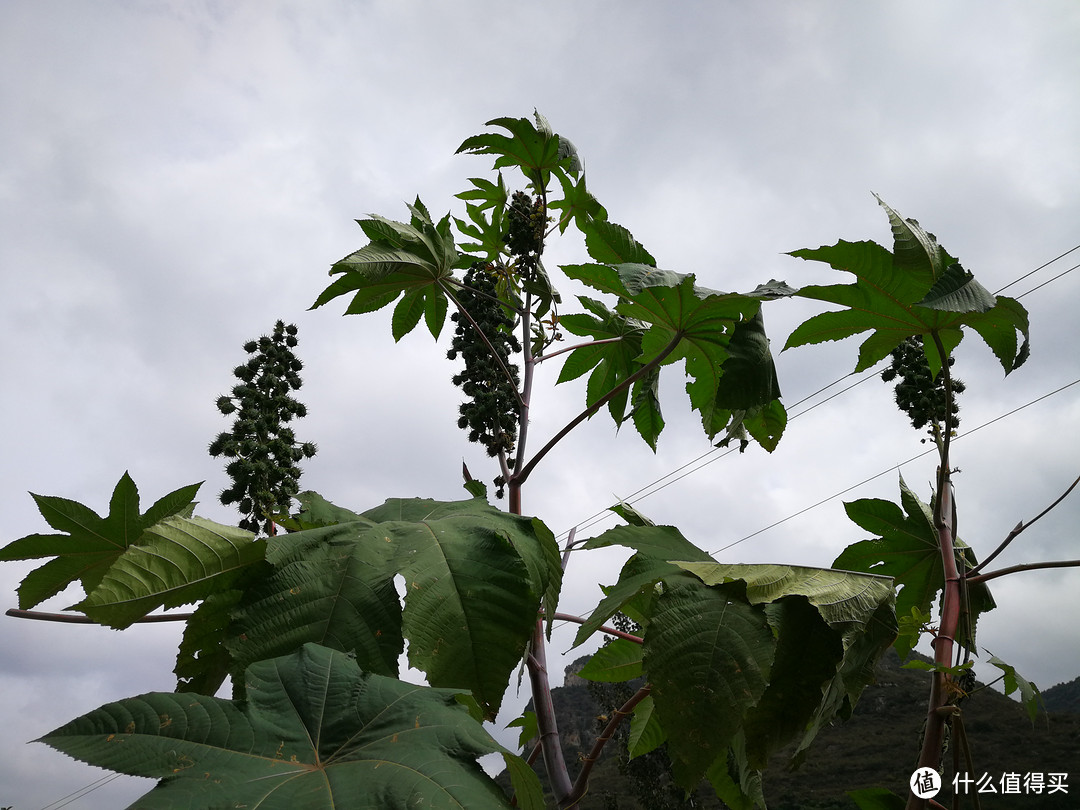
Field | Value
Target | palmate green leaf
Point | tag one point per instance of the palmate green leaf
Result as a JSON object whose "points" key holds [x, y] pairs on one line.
{"points": [[315, 732], [707, 654], [697, 325], [475, 578], [819, 615], [533, 148], [331, 586], [906, 549], [413, 260], [610, 363], [916, 289], [178, 561], [474, 575], [91, 544], [577, 205]]}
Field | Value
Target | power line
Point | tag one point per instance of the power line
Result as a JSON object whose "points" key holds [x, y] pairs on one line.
{"points": [[890, 469], [1055, 278], [664, 482], [64, 801], [1037, 269]]}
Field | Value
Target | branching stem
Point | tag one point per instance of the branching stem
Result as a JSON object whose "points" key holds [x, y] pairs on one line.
{"points": [[523, 473], [582, 781], [1016, 531], [585, 345]]}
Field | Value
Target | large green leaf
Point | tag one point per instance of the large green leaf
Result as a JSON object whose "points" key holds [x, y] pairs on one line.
{"points": [[854, 623], [916, 289], [178, 561], [611, 362], [475, 578], [906, 549], [91, 544], [332, 586], [707, 653], [655, 547], [315, 732], [683, 321], [415, 261], [531, 147]]}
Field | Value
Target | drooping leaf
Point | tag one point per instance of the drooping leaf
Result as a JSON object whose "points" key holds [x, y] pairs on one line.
{"points": [[707, 654], [906, 549], [808, 654], [916, 289], [612, 244], [854, 615], [315, 732], [474, 579], [414, 260], [90, 543], [178, 561], [1029, 692], [686, 322]]}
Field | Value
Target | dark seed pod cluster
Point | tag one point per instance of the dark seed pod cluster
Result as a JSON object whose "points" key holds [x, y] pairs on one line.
{"points": [[918, 394], [525, 233], [262, 450], [490, 414]]}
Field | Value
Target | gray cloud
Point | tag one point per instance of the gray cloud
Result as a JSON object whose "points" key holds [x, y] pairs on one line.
{"points": [[178, 176]]}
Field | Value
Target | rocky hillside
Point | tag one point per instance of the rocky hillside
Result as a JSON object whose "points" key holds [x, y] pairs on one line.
{"points": [[876, 747]]}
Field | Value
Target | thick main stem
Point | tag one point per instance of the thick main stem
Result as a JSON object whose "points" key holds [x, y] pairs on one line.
{"points": [[944, 643]]}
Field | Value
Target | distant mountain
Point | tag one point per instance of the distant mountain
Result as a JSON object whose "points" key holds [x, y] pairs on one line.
{"points": [[878, 746], [1063, 698]]}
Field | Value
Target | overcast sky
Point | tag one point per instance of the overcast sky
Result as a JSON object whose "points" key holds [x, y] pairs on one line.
{"points": [[178, 175]]}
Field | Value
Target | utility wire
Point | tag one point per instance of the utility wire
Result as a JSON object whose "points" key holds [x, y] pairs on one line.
{"points": [[667, 480], [1037, 269], [895, 467], [64, 801], [1055, 278]]}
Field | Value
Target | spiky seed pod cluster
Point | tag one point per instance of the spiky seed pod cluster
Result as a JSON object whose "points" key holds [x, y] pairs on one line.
{"points": [[525, 233], [919, 394], [490, 414], [263, 451]]}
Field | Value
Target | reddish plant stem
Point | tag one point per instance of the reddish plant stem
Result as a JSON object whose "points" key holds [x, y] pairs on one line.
{"points": [[550, 744], [78, 618], [1016, 531], [582, 782], [611, 631], [522, 473], [1012, 569], [934, 732]]}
